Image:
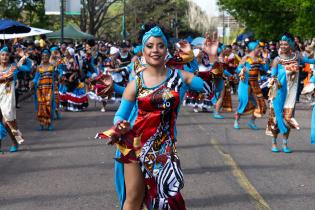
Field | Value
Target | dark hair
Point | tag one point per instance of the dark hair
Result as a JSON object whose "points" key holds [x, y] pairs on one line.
{"points": [[43, 36], [147, 27], [124, 45], [289, 35], [90, 42]]}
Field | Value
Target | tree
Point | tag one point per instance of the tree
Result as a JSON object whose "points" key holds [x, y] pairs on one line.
{"points": [[10, 9], [94, 15], [172, 14], [34, 13], [270, 18]]}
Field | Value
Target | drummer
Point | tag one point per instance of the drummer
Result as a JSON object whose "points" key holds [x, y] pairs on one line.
{"points": [[112, 66]]}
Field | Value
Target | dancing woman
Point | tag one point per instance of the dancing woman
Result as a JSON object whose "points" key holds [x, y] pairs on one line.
{"points": [[285, 72], [7, 95], [222, 97], [44, 92], [251, 100], [148, 148]]}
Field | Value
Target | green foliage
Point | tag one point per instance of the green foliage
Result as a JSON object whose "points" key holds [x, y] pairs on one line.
{"points": [[30, 12], [164, 12], [10, 9], [268, 19], [103, 18]]}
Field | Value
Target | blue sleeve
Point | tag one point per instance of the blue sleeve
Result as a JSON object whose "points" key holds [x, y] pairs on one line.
{"points": [[307, 60], [27, 66], [274, 71], [119, 89], [199, 85], [312, 79], [193, 66], [124, 110], [239, 68], [227, 73], [36, 78]]}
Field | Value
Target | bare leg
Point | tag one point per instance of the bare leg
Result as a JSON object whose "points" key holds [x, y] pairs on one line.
{"points": [[218, 105], [17, 135], [285, 139], [237, 119], [9, 130], [285, 147], [252, 124], [134, 182], [274, 146]]}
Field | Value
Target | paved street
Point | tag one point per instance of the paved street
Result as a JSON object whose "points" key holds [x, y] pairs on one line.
{"points": [[223, 168]]}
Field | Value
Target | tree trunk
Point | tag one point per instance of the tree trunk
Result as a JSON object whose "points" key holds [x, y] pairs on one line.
{"points": [[83, 15], [91, 17]]}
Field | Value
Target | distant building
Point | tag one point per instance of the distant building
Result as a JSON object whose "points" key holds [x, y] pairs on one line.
{"points": [[231, 27], [228, 20]]}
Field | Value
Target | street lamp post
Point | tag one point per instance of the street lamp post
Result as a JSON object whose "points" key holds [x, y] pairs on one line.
{"points": [[62, 19]]}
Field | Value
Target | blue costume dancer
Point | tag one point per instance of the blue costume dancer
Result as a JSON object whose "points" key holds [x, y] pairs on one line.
{"points": [[285, 72], [251, 100], [119, 167], [44, 97], [196, 84]]}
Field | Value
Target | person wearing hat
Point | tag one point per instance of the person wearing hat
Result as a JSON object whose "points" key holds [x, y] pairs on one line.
{"points": [[44, 92], [8, 72], [112, 67], [250, 96], [124, 56], [285, 76]]}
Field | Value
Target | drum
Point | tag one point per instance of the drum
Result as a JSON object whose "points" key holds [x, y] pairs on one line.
{"points": [[102, 85]]}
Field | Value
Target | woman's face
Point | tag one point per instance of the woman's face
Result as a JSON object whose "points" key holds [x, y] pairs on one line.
{"points": [[45, 58], [4, 57], [155, 51], [257, 51], [284, 46]]}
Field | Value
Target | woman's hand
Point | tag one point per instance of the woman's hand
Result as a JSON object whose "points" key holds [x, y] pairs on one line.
{"points": [[123, 127]]}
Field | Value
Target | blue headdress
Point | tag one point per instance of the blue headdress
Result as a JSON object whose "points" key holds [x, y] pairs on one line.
{"points": [[289, 40], [4, 49], [155, 32], [45, 51], [53, 49], [252, 45]]}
